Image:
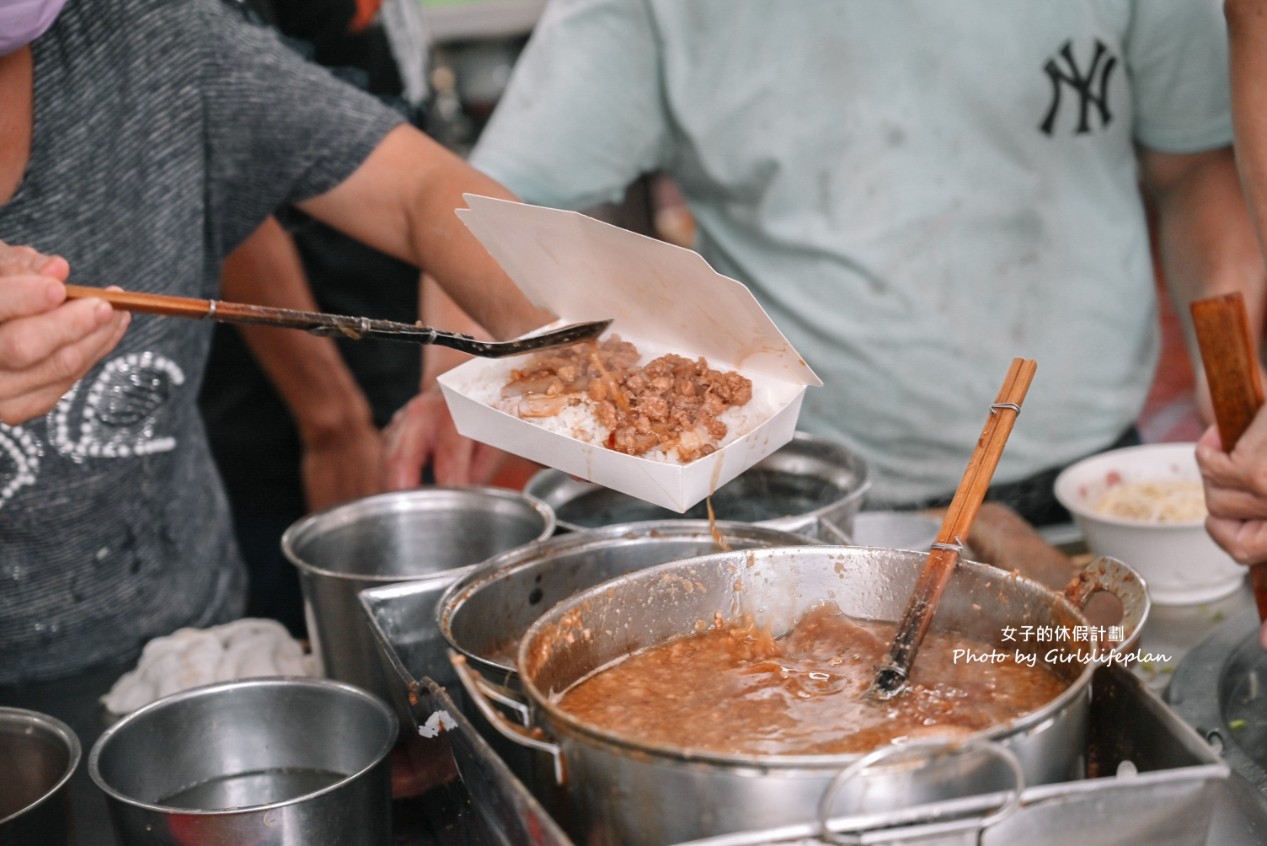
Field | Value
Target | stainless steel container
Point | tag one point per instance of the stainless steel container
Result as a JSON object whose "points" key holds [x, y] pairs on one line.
{"points": [[810, 486], [39, 754], [1150, 780], [266, 762], [430, 536], [629, 792], [1156, 783], [1220, 688]]}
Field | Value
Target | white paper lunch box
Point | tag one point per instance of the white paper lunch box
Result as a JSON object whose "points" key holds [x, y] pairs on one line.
{"points": [[661, 297]]}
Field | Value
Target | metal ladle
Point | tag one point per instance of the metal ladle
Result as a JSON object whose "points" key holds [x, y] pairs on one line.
{"points": [[336, 325]]}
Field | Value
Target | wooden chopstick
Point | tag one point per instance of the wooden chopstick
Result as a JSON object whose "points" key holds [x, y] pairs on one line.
{"points": [[1231, 368], [944, 556]]}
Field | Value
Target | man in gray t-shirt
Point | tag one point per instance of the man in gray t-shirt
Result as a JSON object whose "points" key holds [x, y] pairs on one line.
{"points": [[161, 133]]}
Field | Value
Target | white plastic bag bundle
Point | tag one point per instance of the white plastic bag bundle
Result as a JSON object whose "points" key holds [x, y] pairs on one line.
{"points": [[247, 648]]}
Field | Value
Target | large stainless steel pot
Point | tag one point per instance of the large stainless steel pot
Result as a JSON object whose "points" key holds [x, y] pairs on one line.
{"points": [[810, 486], [630, 792]]}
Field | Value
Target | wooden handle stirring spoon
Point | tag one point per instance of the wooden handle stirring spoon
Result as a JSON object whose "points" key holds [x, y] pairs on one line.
{"points": [[891, 676], [1231, 368]]}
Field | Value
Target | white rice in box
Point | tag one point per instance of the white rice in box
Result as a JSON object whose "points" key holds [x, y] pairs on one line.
{"points": [[577, 421]]}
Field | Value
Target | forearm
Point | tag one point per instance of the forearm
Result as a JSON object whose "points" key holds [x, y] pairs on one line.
{"points": [[307, 371], [1206, 238], [1247, 35], [402, 200]]}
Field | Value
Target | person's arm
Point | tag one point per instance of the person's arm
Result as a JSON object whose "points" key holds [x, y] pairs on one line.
{"points": [[1247, 61], [46, 343], [341, 446], [422, 433], [402, 201], [1236, 480], [1206, 239]]}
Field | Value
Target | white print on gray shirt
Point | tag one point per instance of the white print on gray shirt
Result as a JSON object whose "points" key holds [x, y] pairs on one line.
{"points": [[118, 418]]}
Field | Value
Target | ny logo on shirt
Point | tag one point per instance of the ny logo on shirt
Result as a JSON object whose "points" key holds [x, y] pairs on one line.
{"points": [[1091, 87]]}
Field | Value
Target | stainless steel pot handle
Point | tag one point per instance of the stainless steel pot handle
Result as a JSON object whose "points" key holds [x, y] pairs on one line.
{"points": [[479, 692], [505, 698], [1110, 575], [920, 752]]}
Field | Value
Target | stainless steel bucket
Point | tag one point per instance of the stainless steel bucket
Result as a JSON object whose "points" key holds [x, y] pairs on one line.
{"points": [[39, 755], [429, 535], [266, 762], [625, 791], [810, 486]]}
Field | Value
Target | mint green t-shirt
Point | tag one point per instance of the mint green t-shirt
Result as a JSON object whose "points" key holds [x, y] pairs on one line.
{"points": [[918, 191]]}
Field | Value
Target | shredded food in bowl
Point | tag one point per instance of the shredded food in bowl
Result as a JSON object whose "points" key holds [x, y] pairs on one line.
{"points": [[1156, 501]]}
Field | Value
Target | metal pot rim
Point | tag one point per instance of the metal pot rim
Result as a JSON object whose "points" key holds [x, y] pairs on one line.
{"points": [[402, 502], [506, 564], [789, 522], [1022, 725], [74, 752], [98, 748]]}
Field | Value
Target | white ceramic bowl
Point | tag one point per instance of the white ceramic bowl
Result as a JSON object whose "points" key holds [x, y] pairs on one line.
{"points": [[1179, 561]]}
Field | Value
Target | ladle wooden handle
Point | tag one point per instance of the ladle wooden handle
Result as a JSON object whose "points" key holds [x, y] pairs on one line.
{"points": [[1231, 369], [891, 677]]}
